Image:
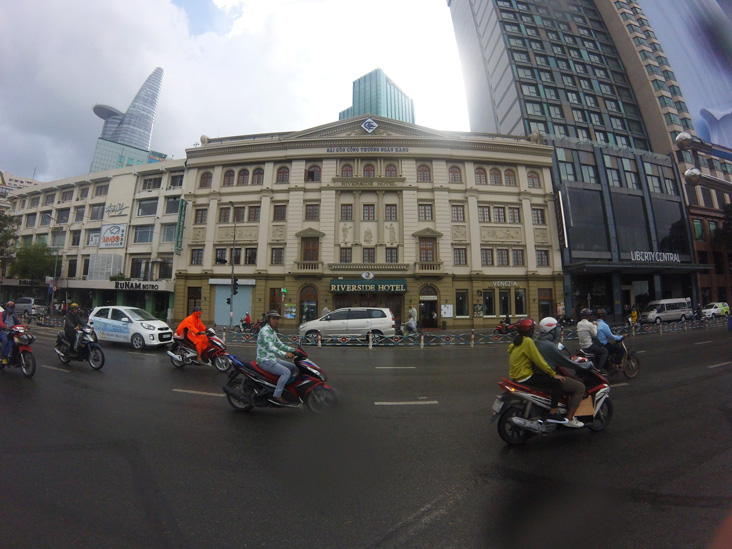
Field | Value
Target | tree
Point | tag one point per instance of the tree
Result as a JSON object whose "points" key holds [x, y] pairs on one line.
{"points": [[34, 262], [8, 236], [723, 235]]}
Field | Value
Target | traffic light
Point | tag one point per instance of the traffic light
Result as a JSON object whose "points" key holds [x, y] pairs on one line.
{"points": [[235, 286], [228, 301], [284, 290]]}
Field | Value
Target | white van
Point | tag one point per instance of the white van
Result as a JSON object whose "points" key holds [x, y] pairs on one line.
{"points": [[667, 310]]}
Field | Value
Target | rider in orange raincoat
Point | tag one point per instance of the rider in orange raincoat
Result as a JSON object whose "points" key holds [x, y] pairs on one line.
{"points": [[196, 330]]}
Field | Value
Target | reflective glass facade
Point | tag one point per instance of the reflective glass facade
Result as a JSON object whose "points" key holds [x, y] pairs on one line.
{"points": [[375, 93]]}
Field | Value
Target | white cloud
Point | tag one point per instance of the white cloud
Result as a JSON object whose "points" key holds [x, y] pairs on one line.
{"points": [[281, 65]]}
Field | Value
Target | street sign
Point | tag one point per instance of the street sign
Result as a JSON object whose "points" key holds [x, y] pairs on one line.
{"points": [[55, 288]]}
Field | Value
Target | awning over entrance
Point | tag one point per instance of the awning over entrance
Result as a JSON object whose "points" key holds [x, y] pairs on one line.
{"points": [[359, 285], [635, 267]]}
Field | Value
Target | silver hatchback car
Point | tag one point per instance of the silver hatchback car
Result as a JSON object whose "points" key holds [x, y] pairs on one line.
{"points": [[351, 322]]}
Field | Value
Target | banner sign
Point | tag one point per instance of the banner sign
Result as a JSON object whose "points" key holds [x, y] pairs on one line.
{"points": [[179, 227], [113, 236]]}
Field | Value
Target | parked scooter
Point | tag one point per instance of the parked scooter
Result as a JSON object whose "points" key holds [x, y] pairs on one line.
{"points": [[88, 349], [184, 352], [21, 355], [250, 386], [521, 411]]}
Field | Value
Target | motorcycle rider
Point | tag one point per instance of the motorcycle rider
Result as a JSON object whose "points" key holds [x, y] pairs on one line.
{"points": [[587, 334], [72, 325], [192, 328], [9, 319], [549, 334], [247, 322], [271, 353], [527, 366], [608, 338]]}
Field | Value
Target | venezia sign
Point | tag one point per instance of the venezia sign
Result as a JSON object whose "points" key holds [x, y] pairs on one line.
{"points": [[339, 286], [655, 256]]}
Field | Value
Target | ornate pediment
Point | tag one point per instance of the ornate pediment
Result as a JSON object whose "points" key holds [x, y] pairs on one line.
{"points": [[356, 127], [310, 233], [427, 233]]}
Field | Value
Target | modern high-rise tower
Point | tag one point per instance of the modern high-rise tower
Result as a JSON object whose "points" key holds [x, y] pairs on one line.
{"points": [[375, 93], [125, 139], [590, 77]]}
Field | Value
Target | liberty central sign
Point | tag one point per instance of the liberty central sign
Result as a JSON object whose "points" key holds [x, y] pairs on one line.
{"points": [[659, 257]]}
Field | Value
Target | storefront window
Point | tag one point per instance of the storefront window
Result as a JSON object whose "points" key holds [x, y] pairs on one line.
{"points": [[461, 303], [504, 302], [489, 305], [519, 302]]}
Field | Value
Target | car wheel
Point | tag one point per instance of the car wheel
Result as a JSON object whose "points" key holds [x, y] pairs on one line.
{"points": [[138, 342]]}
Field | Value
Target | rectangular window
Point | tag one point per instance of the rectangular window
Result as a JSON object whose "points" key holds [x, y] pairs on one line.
{"points": [[310, 249], [66, 196], [149, 206], [172, 203], [97, 212], [312, 212], [504, 302], [613, 177], [461, 303], [538, 216], [542, 258], [589, 174], [197, 256], [101, 190], [486, 257], [254, 214], [250, 256], [390, 212], [144, 234], [369, 255], [698, 230], [499, 214], [92, 237], [75, 238], [346, 255], [71, 273], [280, 212], [201, 216], [176, 181], [392, 255], [484, 214], [460, 256], [30, 220], [518, 257], [224, 214], [369, 212], [502, 257], [167, 232], [346, 212], [489, 305], [151, 183], [79, 214], [34, 202], [519, 302], [514, 215], [458, 212], [278, 256], [425, 212], [49, 199], [220, 254]]}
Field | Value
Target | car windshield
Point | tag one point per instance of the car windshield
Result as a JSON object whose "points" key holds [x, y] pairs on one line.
{"points": [[651, 307], [139, 314], [710, 305]]}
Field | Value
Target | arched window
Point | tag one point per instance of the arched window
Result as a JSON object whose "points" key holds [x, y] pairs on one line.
{"points": [[534, 181], [283, 175], [308, 303], [229, 178], [313, 173], [480, 177], [368, 170], [206, 179], [391, 171], [423, 173], [454, 174], [496, 177], [347, 171], [510, 177], [258, 177], [243, 178]]}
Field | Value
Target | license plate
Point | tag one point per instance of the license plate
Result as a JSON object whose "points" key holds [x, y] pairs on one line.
{"points": [[165, 337], [497, 405]]}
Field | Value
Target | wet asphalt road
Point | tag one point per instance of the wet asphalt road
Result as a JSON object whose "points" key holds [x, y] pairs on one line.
{"points": [[140, 454]]}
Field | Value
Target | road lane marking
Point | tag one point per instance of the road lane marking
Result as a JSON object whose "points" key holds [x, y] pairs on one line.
{"points": [[406, 403], [204, 393], [718, 365], [618, 384], [396, 367], [54, 368], [703, 342]]}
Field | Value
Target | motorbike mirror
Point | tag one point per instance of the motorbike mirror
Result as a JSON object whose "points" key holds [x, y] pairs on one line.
{"points": [[560, 346]]}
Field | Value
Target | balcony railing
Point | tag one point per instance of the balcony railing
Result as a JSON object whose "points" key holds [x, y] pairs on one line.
{"points": [[428, 268], [375, 267], [308, 267]]}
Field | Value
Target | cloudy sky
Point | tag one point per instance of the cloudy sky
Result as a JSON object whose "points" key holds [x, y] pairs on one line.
{"points": [[232, 67]]}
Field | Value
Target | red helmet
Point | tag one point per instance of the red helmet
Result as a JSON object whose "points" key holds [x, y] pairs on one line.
{"points": [[525, 326]]}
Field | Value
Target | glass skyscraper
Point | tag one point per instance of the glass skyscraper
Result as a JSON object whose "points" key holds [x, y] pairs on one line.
{"points": [[126, 137], [375, 93]]}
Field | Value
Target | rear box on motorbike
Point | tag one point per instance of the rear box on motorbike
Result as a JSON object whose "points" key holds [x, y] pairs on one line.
{"points": [[586, 407]]}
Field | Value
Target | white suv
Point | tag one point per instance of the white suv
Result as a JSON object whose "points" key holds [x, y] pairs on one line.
{"points": [[352, 321]]}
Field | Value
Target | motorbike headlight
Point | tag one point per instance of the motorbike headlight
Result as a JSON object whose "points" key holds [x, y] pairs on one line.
{"points": [[147, 326]]}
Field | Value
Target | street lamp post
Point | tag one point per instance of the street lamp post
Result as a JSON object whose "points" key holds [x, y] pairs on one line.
{"points": [[233, 257]]}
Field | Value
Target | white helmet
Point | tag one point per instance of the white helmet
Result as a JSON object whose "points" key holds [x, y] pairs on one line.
{"points": [[547, 324]]}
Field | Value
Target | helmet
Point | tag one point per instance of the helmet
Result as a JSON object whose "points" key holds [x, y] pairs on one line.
{"points": [[585, 313], [547, 324], [74, 305], [601, 313], [247, 312], [525, 326], [273, 314], [197, 310], [10, 304]]}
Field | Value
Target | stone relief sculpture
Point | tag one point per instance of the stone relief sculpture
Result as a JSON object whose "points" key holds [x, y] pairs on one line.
{"points": [[278, 233], [392, 233], [368, 236], [459, 232], [345, 230]]}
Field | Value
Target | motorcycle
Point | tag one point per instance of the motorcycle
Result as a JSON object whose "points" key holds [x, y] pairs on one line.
{"points": [[630, 365], [88, 349], [184, 352], [521, 411], [21, 355], [250, 386], [504, 327]]}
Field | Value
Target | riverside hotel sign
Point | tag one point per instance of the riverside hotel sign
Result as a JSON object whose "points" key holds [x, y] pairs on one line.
{"points": [[340, 286]]}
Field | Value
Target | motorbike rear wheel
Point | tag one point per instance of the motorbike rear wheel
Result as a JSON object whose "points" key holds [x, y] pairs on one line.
{"points": [[508, 431], [222, 362], [64, 349], [603, 417], [239, 385], [176, 349], [321, 400], [27, 363], [632, 365], [96, 357]]}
